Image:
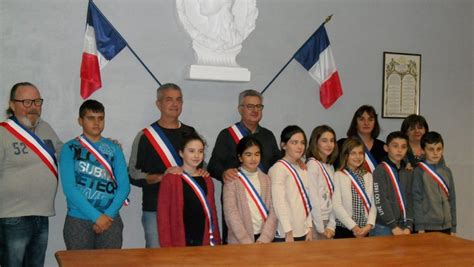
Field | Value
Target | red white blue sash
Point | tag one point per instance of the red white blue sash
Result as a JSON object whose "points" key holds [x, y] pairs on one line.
{"points": [[327, 176], [359, 189], [257, 199], [369, 163], [435, 176], [299, 185], [237, 131], [162, 146], [393, 175], [32, 141], [87, 144], [205, 204]]}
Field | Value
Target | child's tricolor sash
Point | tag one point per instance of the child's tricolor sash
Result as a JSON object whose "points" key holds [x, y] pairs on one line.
{"points": [[299, 185], [100, 158], [237, 132], [327, 176], [162, 146], [393, 175], [205, 204], [359, 189], [435, 176], [32, 141], [369, 163], [257, 199]]}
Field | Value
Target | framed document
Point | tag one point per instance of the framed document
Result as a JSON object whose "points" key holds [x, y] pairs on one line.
{"points": [[401, 84]]}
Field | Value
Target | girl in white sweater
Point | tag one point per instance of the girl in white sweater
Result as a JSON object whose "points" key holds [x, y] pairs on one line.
{"points": [[353, 194], [321, 154], [289, 189]]}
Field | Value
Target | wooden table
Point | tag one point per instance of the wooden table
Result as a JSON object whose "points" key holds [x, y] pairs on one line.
{"points": [[433, 249]]}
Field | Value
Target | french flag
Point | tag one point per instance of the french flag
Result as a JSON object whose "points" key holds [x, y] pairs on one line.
{"points": [[316, 57], [101, 43]]}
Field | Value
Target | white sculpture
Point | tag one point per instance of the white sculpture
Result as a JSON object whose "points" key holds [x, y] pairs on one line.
{"points": [[218, 28]]}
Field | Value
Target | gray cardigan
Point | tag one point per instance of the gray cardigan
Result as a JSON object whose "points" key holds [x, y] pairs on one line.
{"points": [[237, 213]]}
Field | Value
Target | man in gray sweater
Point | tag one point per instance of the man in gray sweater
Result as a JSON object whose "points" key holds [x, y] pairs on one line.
{"points": [[28, 178]]}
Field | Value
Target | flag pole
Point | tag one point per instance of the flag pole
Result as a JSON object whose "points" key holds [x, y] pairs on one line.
{"points": [[129, 47], [328, 18]]}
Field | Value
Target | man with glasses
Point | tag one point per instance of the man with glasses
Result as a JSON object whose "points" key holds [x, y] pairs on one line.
{"points": [[28, 178], [224, 162]]}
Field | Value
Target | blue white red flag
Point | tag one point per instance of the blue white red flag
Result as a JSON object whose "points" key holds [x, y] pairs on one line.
{"points": [[316, 57], [101, 43]]}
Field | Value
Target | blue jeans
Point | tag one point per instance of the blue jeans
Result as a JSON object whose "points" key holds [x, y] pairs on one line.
{"points": [[25, 240], [380, 230], [151, 229]]}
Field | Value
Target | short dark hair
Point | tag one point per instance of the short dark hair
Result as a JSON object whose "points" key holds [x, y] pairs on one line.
{"points": [[15, 87], [249, 92], [164, 87], [288, 132], [431, 138], [92, 105], [188, 137], [352, 131], [312, 151], [395, 135], [412, 121], [246, 142]]}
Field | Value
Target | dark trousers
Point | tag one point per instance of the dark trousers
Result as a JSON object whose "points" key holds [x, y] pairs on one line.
{"points": [[277, 239], [445, 231], [343, 232], [78, 234]]}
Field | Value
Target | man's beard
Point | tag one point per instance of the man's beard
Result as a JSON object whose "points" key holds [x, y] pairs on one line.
{"points": [[28, 123]]}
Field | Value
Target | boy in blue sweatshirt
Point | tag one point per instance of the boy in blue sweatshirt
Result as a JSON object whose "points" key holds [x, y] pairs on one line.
{"points": [[95, 182]]}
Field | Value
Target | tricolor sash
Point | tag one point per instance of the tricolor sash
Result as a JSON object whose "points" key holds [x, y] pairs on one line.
{"points": [[162, 146], [32, 141], [393, 175], [359, 189], [327, 176], [299, 185], [257, 199], [435, 176], [369, 163], [89, 146], [205, 204], [237, 131]]}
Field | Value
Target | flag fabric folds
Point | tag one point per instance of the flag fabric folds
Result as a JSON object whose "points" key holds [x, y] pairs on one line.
{"points": [[316, 57], [101, 43]]}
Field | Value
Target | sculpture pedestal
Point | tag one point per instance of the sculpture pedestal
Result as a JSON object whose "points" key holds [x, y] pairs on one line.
{"points": [[218, 73]]}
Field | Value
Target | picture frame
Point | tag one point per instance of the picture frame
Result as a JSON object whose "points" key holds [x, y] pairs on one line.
{"points": [[401, 84]]}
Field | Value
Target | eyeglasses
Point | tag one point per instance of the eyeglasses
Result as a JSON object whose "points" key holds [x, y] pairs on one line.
{"points": [[259, 107], [28, 102]]}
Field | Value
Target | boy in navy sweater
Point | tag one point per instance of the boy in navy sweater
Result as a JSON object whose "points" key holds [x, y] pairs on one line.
{"points": [[392, 190]]}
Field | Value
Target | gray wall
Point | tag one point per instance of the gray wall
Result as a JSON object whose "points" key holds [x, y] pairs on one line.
{"points": [[41, 42]]}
